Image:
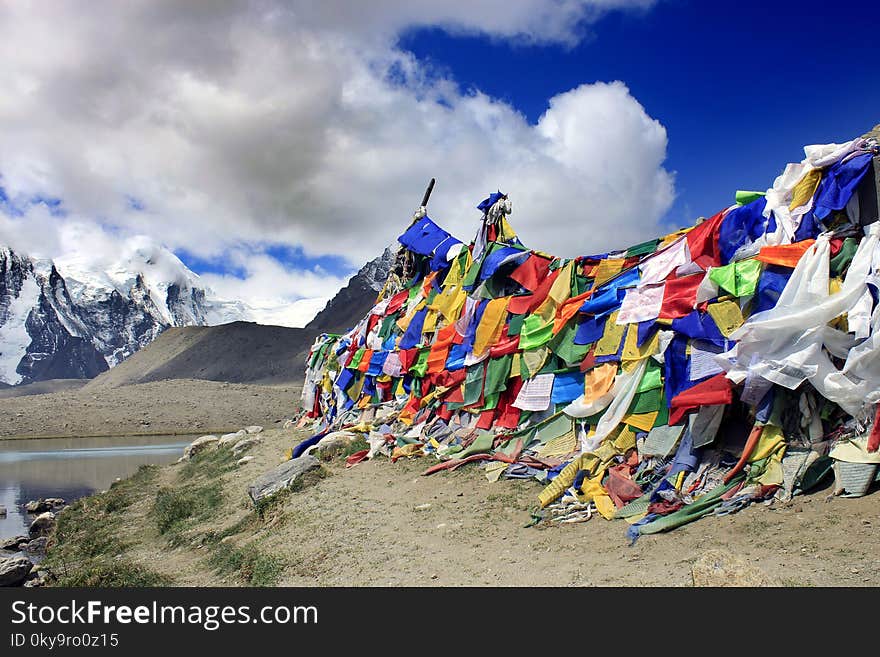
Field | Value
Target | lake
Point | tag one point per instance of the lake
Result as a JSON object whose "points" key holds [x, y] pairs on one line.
{"points": [[72, 468]]}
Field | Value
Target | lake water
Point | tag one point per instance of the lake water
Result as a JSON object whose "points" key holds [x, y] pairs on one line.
{"points": [[72, 468]]}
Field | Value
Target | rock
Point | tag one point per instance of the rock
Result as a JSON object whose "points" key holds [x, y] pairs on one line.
{"points": [[719, 568], [230, 438], [334, 443], [13, 571], [281, 476], [198, 445], [12, 542], [254, 428], [2, 511], [37, 506], [244, 459], [244, 445], [55, 501], [288, 424], [37, 545], [42, 524]]}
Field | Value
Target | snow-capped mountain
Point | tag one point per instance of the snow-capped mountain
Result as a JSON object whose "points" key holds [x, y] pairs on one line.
{"points": [[72, 318]]}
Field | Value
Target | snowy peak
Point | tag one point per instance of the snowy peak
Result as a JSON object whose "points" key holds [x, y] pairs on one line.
{"points": [[78, 316]]}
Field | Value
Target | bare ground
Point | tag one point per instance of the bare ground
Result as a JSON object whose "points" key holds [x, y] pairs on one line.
{"points": [[369, 526], [182, 406]]}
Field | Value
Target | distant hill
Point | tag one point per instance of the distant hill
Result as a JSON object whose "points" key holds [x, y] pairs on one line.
{"points": [[238, 352], [245, 352]]}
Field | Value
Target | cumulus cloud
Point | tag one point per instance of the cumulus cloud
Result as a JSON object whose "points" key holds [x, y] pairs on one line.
{"points": [[217, 127]]}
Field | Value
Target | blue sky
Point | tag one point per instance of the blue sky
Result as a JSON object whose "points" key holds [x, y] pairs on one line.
{"points": [[278, 146], [740, 87]]}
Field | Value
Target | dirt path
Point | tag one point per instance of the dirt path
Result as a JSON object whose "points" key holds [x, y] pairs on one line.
{"points": [[369, 525]]}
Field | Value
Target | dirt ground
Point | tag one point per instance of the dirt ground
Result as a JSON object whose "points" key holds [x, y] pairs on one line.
{"points": [[183, 406], [383, 524], [380, 523]]}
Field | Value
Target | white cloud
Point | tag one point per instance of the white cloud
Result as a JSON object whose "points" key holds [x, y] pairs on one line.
{"points": [[238, 123]]}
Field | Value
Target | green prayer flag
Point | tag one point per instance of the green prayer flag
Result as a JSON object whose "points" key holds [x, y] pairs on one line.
{"points": [[420, 368], [651, 378], [358, 355], [844, 256], [738, 278], [743, 197], [642, 249], [473, 383], [647, 402], [562, 344], [535, 332], [516, 323], [497, 371]]}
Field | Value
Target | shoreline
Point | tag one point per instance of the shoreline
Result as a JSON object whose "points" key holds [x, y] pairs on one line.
{"points": [[118, 435]]}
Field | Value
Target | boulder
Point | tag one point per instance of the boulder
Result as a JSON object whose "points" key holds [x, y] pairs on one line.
{"points": [[254, 428], [42, 525], [334, 443], [228, 439], [198, 445], [37, 545], [37, 506], [56, 501], [281, 476], [244, 459], [244, 445], [13, 571], [720, 568], [12, 543]]}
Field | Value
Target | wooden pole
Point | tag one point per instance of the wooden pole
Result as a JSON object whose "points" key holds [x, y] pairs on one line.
{"points": [[428, 193]]}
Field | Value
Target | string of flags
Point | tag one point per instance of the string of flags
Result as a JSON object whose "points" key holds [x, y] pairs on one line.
{"points": [[731, 362]]}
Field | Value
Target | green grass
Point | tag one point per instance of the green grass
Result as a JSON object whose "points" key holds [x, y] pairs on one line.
{"points": [[209, 463], [85, 546], [111, 574], [247, 563], [356, 445], [174, 506]]}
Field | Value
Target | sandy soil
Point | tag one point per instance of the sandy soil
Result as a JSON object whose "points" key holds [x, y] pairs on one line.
{"points": [[369, 525], [165, 407]]}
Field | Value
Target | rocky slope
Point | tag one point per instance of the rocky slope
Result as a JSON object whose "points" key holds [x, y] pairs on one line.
{"points": [[72, 319], [245, 352]]}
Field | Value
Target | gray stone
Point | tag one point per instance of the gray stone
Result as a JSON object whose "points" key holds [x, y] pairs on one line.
{"points": [[42, 524], [12, 542], [228, 439], [244, 445], [14, 571], [281, 476], [55, 501], [244, 459], [254, 428], [334, 443], [198, 445], [720, 568], [37, 506], [37, 545]]}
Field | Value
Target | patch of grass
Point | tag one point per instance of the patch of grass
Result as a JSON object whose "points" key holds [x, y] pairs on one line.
{"points": [[173, 506], [356, 445], [247, 563], [111, 574], [84, 547], [83, 532], [268, 505], [209, 463]]}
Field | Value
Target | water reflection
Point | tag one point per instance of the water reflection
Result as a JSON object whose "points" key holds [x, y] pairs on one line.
{"points": [[71, 468]]}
